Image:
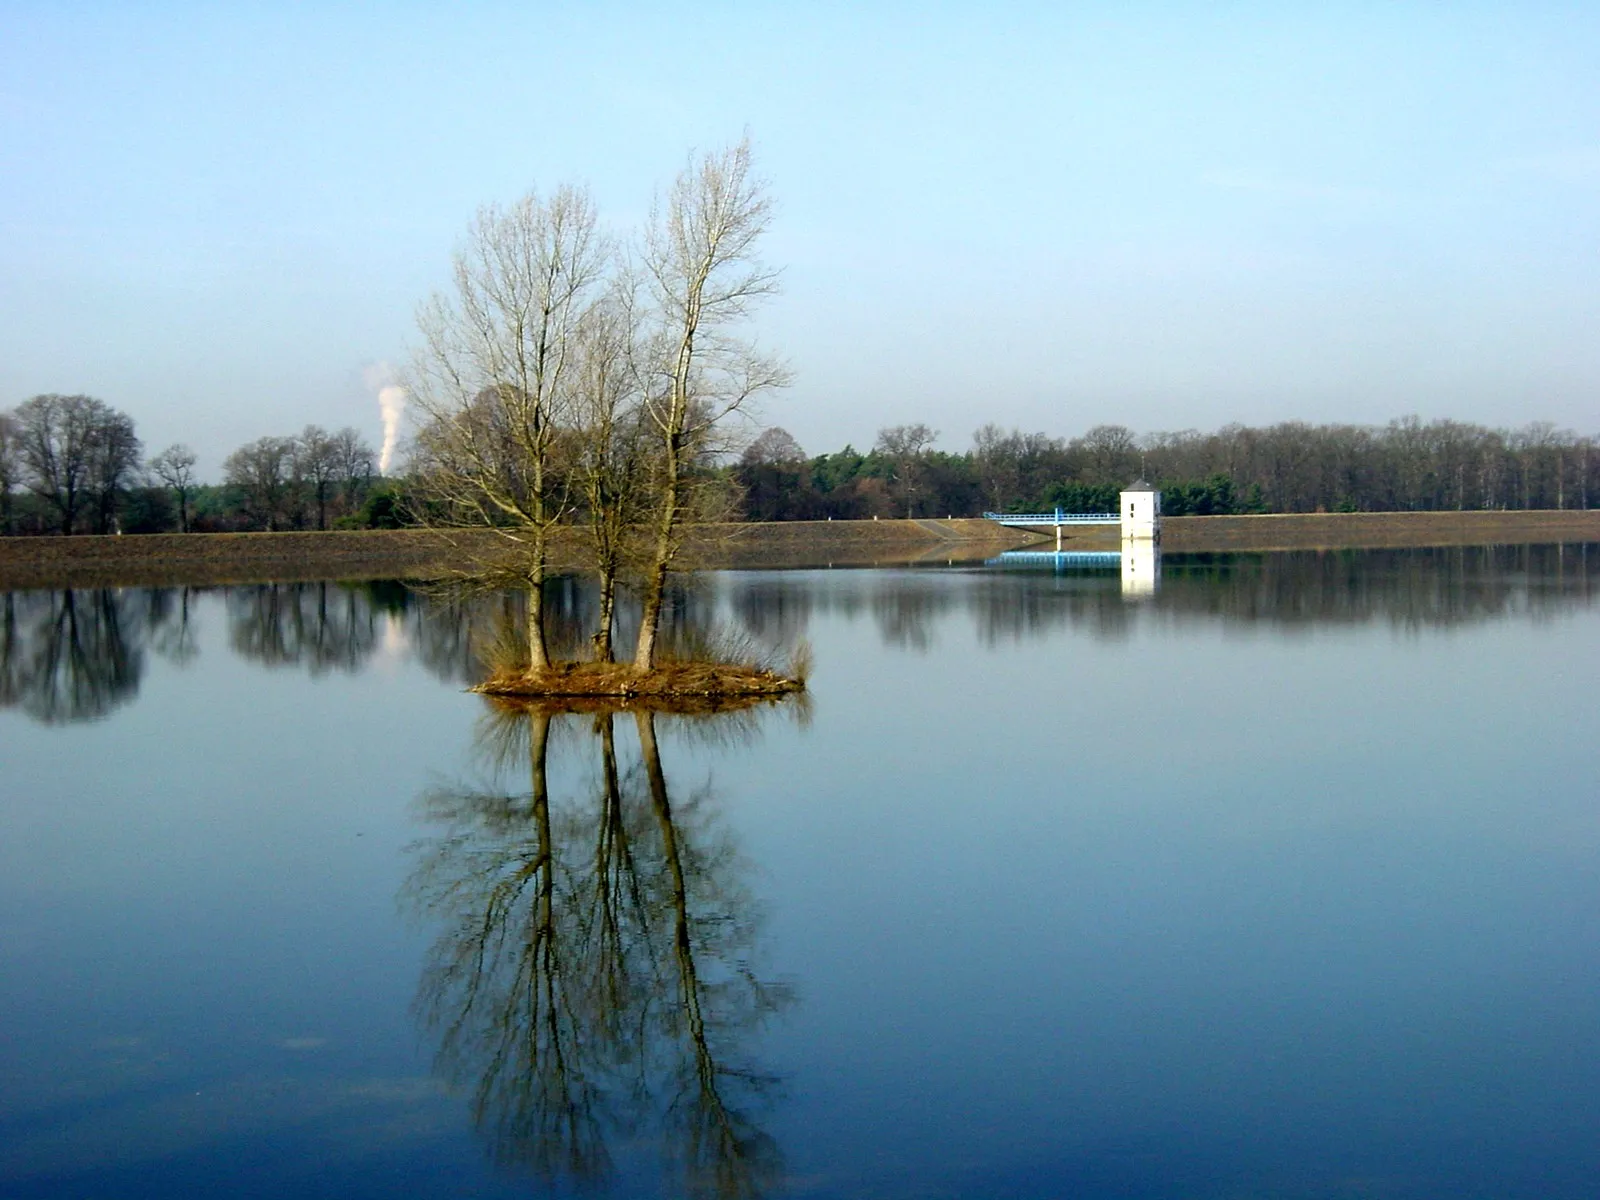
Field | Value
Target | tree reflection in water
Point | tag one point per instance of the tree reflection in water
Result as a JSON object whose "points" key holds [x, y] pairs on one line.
{"points": [[593, 979], [320, 626], [77, 654]]}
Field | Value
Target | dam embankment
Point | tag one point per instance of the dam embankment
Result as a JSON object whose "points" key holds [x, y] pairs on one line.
{"points": [[202, 558]]}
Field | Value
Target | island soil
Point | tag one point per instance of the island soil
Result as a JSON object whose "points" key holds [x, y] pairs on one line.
{"points": [[216, 558], [669, 686]]}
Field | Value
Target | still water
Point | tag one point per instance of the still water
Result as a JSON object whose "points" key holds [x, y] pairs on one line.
{"points": [[1276, 880]]}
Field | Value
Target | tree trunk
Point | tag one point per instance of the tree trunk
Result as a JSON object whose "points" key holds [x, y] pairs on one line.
{"points": [[644, 658], [608, 604], [538, 654]]}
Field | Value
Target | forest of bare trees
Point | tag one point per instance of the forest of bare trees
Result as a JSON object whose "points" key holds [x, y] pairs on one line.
{"points": [[302, 482], [74, 465], [1407, 465]]}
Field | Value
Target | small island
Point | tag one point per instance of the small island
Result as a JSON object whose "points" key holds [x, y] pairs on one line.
{"points": [[700, 685], [559, 385]]}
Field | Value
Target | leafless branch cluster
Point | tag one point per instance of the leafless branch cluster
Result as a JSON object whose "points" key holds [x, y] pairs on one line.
{"points": [[569, 377], [285, 482], [74, 453]]}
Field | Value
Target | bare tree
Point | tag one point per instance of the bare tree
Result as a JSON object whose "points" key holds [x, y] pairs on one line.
{"points": [[907, 446], [263, 474], [77, 452], [773, 446], [490, 377], [174, 467], [999, 473], [318, 458], [55, 451], [1111, 454], [113, 461], [354, 458], [610, 454], [10, 468], [705, 276]]}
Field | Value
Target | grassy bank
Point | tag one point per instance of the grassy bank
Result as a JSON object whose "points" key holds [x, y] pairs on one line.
{"points": [[199, 558], [260, 557], [1374, 531]]}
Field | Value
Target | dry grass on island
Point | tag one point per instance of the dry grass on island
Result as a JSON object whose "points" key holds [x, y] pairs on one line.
{"points": [[667, 684], [671, 687], [717, 671]]}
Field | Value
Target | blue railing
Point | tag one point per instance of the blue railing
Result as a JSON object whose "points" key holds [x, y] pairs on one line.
{"points": [[1056, 518], [1061, 560]]}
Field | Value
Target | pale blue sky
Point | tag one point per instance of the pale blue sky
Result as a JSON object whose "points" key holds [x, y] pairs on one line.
{"points": [[1166, 215]]}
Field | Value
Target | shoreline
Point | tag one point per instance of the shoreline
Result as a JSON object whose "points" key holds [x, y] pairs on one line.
{"points": [[221, 558]]}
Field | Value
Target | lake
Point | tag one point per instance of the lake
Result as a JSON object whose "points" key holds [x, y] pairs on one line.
{"points": [[1274, 877]]}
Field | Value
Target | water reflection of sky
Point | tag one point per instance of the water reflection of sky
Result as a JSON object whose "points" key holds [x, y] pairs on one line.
{"points": [[1279, 882]]}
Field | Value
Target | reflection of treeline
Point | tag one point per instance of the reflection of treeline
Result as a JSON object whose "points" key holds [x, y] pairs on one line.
{"points": [[1290, 467], [1441, 586], [1415, 587], [592, 979], [75, 655]]}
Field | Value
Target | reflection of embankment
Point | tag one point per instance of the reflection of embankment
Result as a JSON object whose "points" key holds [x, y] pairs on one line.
{"points": [[78, 654], [1444, 586], [592, 977], [1439, 587]]}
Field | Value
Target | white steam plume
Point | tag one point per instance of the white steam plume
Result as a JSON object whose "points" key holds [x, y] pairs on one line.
{"points": [[391, 406]]}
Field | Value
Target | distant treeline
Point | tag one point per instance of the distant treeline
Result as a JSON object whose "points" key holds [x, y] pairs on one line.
{"points": [[1291, 467], [74, 464]]}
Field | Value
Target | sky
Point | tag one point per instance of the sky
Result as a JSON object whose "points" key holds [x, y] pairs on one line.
{"points": [[221, 218]]}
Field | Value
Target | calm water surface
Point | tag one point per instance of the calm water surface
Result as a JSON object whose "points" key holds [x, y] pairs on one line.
{"points": [[1280, 880]]}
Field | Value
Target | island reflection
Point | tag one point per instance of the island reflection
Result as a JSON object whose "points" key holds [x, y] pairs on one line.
{"points": [[592, 983]]}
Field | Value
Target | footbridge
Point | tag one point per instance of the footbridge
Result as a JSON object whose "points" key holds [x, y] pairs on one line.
{"points": [[1047, 520], [1055, 520], [1060, 560], [1139, 518]]}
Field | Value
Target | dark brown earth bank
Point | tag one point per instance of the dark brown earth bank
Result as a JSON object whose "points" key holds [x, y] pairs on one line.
{"points": [[424, 554], [1374, 531], [421, 554]]}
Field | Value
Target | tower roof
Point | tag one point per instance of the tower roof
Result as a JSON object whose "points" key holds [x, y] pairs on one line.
{"points": [[1140, 485]]}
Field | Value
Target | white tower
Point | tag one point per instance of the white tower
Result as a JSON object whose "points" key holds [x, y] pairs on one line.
{"points": [[1141, 513]]}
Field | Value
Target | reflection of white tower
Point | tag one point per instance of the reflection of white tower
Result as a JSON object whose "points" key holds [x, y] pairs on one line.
{"points": [[1141, 512], [1141, 568]]}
